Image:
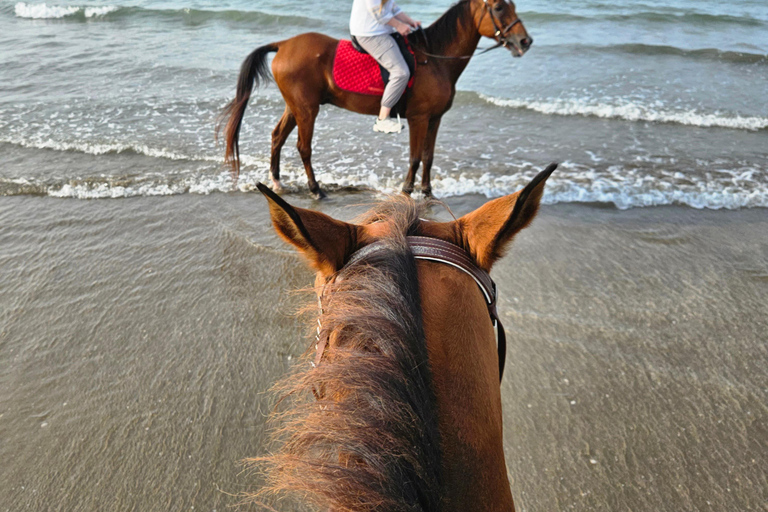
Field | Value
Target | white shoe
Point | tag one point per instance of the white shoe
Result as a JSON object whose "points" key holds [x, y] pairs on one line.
{"points": [[387, 125]]}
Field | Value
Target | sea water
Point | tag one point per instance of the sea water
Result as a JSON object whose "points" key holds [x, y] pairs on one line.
{"points": [[642, 103]]}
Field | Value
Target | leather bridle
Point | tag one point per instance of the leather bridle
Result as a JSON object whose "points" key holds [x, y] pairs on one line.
{"points": [[501, 34], [431, 249]]}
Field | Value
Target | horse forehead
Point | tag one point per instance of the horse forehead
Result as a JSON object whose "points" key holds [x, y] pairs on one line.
{"points": [[446, 231], [376, 231]]}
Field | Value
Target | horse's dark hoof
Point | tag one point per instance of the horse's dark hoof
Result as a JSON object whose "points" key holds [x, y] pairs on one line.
{"points": [[407, 189], [427, 193], [318, 194]]}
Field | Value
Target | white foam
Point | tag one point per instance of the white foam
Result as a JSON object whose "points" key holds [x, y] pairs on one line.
{"points": [[624, 188], [573, 183], [631, 111], [92, 12], [105, 148], [44, 11], [107, 191]]}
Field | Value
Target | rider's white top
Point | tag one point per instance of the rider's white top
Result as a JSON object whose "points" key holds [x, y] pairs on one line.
{"points": [[369, 17]]}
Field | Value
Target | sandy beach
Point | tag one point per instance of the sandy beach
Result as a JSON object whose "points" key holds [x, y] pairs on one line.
{"points": [[139, 338]]}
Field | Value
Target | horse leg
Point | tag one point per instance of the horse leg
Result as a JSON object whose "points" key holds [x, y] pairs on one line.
{"points": [[305, 118], [417, 128], [283, 128], [428, 154]]}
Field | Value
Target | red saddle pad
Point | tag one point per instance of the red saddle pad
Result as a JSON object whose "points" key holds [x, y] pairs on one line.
{"points": [[356, 72]]}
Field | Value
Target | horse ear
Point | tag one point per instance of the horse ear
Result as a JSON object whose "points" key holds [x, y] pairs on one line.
{"points": [[488, 230], [324, 241]]}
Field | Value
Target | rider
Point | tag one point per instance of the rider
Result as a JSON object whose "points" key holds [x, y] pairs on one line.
{"points": [[372, 23]]}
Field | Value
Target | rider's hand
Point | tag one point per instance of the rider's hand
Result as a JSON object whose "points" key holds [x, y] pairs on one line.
{"points": [[404, 29], [416, 25]]}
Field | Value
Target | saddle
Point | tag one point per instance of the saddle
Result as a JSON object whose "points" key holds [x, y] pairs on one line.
{"points": [[356, 71]]}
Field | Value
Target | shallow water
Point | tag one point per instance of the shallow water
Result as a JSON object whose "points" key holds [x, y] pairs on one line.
{"points": [[139, 337], [643, 104]]}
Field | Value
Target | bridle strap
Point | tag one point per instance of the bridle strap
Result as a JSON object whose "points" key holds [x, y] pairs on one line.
{"points": [[500, 35], [440, 251], [434, 249]]}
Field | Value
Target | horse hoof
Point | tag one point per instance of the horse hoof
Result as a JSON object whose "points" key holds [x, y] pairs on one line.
{"points": [[407, 189], [427, 193], [277, 187], [319, 194]]}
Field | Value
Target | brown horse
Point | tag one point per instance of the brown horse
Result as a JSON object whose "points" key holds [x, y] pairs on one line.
{"points": [[303, 71], [398, 407]]}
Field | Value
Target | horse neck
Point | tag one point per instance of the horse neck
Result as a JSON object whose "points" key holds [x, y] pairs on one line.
{"points": [[462, 42], [462, 352], [375, 377]]}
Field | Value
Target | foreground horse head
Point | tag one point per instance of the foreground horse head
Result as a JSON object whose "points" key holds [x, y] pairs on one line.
{"points": [[399, 406]]}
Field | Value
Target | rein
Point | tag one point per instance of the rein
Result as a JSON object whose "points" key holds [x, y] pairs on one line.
{"points": [[500, 35], [431, 249]]}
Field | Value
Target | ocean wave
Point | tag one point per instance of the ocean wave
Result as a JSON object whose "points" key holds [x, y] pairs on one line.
{"points": [[188, 15], [115, 187], [700, 54], [675, 17], [691, 18], [44, 11], [652, 50], [90, 148], [631, 111], [621, 186]]}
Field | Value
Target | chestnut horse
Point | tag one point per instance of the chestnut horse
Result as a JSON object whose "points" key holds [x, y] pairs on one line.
{"points": [[303, 71], [398, 407]]}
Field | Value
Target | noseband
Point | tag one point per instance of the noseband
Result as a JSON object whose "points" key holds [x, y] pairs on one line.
{"points": [[431, 249]]}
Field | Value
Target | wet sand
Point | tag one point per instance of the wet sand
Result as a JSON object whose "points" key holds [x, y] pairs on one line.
{"points": [[139, 337]]}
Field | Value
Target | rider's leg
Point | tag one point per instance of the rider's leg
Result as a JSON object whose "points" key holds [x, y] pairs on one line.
{"points": [[386, 52]]}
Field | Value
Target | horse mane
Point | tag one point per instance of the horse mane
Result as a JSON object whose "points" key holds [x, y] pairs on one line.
{"points": [[360, 430], [445, 29]]}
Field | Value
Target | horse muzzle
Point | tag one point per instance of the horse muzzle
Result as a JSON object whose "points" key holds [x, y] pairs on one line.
{"points": [[519, 47]]}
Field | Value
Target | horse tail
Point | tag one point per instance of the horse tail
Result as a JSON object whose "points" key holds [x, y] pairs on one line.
{"points": [[253, 70]]}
